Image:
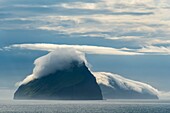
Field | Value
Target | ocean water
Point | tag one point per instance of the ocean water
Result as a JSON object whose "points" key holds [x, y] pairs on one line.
{"points": [[104, 106]]}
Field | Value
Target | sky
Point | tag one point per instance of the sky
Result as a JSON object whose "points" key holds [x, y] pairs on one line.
{"points": [[130, 38]]}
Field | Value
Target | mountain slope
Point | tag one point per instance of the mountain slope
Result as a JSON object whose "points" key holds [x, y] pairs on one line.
{"points": [[74, 83]]}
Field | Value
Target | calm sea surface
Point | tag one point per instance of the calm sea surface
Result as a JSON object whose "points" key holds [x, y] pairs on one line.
{"points": [[105, 106]]}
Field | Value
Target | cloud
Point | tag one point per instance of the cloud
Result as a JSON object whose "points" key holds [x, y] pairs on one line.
{"points": [[108, 19], [155, 50], [159, 41], [110, 79], [83, 48], [59, 59], [100, 23], [105, 4], [124, 38], [140, 41], [79, 5], [147, 50], [101, 5]]}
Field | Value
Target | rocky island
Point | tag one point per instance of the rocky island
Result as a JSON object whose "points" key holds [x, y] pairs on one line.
{"points": [[75, 82]]}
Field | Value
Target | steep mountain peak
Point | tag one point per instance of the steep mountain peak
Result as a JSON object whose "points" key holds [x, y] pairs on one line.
{"points": [[75, 82]]}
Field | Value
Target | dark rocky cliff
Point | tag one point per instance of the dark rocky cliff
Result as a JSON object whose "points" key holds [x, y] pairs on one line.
{"points": [[75, 83]]}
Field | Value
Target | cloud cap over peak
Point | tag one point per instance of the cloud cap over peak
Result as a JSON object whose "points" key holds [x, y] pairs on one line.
{"points": [[59, 59]]}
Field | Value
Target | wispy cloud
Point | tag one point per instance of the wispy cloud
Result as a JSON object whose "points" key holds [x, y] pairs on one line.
{"points": [[156, 50], [83, 48], [110, 79], [147, 50], [146, 19], [141, 41]]}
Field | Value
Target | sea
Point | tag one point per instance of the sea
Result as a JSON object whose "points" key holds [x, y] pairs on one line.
{"points": [[103, 106]]}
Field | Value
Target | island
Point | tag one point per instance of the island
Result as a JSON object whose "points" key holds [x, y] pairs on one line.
{"points": [[74, 83]]}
